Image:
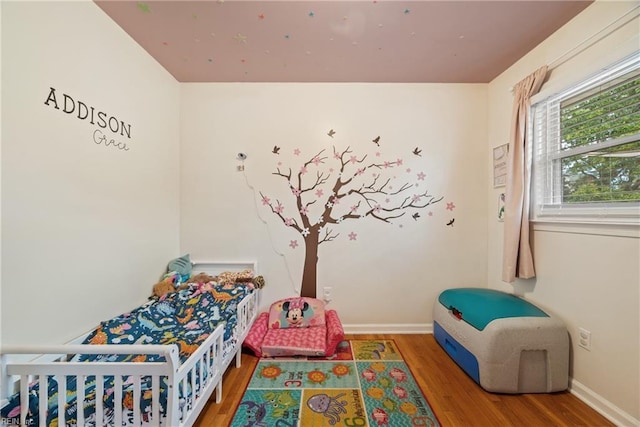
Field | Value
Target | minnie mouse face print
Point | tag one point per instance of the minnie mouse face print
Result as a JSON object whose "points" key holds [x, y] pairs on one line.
{"points": [[295, 311]]}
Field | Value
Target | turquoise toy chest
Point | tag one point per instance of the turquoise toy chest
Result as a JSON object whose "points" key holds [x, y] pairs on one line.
{"points": [[506, 344]]}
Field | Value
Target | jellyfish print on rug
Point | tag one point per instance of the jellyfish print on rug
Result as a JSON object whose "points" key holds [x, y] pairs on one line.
{"points": [[328, 406]]}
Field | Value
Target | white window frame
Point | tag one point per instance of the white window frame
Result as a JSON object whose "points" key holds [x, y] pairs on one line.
{"points": [[544, 132]]}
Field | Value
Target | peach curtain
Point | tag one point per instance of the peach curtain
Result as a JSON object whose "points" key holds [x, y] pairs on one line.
{"points": [[517, 259]]}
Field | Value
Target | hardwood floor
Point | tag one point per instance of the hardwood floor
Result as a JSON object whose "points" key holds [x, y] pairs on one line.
{"points": [[455, 398]]}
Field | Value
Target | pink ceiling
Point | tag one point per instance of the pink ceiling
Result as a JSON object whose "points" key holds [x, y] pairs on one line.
{"points": [[339, 41]]}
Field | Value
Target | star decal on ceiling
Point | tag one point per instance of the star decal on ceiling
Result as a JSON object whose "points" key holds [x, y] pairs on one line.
{"points": [[241, 38], [144, 7]]}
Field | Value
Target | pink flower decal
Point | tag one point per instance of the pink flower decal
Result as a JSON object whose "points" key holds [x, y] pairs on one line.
{"points": [[265, 200], [450, 206], [353, 236], [293, 244], [421, 176]]}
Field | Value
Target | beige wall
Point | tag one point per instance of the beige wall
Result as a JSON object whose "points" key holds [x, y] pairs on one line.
{"points": [[588, 275], [388, 277], [86, 228]]}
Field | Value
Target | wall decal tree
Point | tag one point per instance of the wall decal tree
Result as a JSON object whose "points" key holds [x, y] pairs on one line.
{"points": [[354, 194]]}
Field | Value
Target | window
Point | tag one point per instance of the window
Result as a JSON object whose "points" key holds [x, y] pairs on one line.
{"points": [[586, 149]]}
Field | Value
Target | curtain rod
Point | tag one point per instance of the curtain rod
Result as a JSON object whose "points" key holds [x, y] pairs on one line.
{"points": [[593, 39]]}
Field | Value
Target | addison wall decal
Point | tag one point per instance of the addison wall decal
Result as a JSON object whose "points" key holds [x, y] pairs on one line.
{"points": [[105, 123], [355, 188]]}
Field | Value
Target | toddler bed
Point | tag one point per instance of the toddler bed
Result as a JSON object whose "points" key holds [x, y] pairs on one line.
{"points": [[156, 365]]}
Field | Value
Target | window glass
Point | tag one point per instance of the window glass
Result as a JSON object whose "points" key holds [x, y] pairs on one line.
{"points": [[586, 149]]}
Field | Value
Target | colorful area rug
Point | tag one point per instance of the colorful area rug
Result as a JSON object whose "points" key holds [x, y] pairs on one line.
{"points": [[366, 383]]}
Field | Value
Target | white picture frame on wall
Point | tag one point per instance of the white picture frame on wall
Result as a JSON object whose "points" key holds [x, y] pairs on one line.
{"points": [[500, 155]]}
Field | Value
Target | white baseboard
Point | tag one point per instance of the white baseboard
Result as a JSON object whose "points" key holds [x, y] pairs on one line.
{"points": [[396, 328], [602, 405]]}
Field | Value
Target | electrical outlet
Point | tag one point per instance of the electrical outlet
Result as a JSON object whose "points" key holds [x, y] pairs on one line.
{"points": [[240, 168], [326, 293], [584, 339]]}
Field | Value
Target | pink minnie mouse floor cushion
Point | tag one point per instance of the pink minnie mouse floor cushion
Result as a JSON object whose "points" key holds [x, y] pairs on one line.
{"points": [[298, 326]]}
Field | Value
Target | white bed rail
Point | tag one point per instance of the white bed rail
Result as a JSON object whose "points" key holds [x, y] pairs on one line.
{"points": [[200, 373], [247, 313], [35, 370]]}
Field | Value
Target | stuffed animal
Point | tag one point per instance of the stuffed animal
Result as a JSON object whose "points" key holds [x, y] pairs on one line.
{"points": [[258, 282], [164, 287], [231, 277], [202, 278], [181, 265]]}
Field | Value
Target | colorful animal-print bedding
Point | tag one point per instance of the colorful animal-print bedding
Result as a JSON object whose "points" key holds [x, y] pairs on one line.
{"points": [[184, 318]]}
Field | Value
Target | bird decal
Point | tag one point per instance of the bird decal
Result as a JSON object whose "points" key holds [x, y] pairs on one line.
{"points": [[451, 222], [417, 152], [415, 216], [376, 141], [276, 149], [331, 133]]}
